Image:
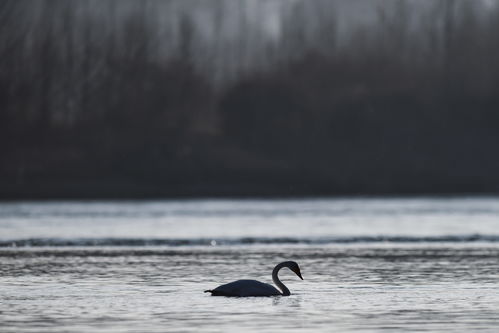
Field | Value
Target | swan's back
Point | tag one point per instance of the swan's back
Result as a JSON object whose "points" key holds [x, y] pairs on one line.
{"points": [[245, 288]]}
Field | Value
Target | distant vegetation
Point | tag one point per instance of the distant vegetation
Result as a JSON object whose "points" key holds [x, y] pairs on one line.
{"points": [[122, 102]]}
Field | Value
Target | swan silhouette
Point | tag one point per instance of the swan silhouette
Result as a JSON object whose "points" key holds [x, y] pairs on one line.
{"points": [[248, 288]]}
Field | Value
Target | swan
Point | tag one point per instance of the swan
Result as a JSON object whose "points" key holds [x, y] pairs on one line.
{"points": [[248, 288]]}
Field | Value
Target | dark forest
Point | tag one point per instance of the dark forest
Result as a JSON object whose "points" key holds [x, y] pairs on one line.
{"points": [[185, 98]]}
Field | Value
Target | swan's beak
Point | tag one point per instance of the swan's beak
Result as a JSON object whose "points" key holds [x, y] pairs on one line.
{"points": [[299, 275]]}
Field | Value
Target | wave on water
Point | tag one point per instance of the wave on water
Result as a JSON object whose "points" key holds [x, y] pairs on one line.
{"points": [[95, 242]]}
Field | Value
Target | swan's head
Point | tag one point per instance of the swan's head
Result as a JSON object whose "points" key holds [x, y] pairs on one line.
{"points": [[293, 266]]}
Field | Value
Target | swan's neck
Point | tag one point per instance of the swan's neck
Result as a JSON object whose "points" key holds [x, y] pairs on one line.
{"points": [[275, 278]]}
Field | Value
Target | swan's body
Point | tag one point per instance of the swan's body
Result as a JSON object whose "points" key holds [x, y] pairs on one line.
{"points": [[247, 288]]}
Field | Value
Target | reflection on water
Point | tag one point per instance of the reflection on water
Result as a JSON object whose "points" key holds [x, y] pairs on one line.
{"points": [[249, 219], [420, 264], [346, 288]]}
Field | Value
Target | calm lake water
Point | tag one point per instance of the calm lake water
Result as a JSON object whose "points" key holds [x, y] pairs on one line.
{"points": [[368, 264]]}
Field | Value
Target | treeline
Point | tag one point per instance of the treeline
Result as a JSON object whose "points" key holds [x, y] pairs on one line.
{"points": [[408, 103]]}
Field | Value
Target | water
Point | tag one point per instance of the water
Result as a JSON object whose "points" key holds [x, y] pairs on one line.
{"points": [[368, 264]]}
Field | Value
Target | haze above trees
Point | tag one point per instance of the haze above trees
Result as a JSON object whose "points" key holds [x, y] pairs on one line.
{"points": [[109, 98]]}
